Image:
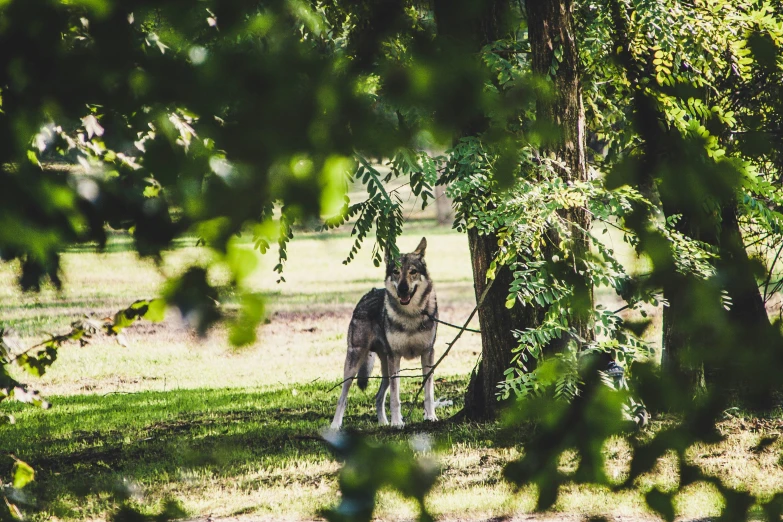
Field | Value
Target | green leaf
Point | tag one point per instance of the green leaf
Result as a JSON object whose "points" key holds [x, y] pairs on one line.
{"points": [[151, 191], [156, 311], [22, 474], [33, 158]]}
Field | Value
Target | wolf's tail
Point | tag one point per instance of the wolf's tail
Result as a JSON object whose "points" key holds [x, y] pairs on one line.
{"points": [[365, 370]]}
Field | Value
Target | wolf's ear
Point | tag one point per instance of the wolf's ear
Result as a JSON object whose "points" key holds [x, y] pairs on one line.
{"points": [[421, 248]]}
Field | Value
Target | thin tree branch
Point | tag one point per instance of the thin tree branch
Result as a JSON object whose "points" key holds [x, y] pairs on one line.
{"points": [[771, 268], [452, 325]]}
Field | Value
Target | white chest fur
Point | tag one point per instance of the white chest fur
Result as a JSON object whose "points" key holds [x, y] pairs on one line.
{"points": [[407, 338], [410, 344]]}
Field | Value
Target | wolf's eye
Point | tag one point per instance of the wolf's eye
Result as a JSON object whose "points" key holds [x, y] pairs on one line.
{"points": [[396, 271], [412, 271]]}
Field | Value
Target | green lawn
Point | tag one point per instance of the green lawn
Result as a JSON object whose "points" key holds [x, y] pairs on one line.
{"points": [[236, 432]]}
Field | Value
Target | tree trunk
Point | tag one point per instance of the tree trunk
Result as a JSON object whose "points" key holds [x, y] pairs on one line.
{"points": [[553, 45], [677, 359], [731, 372], [497, 322], [550, 27], [747, 312], [747, 304]]}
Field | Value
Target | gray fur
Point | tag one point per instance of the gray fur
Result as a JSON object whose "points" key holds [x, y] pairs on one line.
{"points": [[365, 370], [394, 322]]}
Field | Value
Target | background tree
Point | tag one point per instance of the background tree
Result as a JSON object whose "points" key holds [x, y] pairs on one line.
{"points": [[695, 63]]}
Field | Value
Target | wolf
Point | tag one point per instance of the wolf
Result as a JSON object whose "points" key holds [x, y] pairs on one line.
{"points": [[390, 323]]}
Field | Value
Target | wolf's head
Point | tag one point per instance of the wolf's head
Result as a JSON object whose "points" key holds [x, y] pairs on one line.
{"points": [[407, 275]]}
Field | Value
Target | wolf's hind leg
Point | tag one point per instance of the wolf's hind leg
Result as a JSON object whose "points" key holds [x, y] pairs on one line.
{"points": [[380, 397], [353, 359], [427, 363]]}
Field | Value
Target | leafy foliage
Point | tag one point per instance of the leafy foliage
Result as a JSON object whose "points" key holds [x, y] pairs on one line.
{"points": [[37, 359], [536, 239], [11, 494], [369, 468], [671, 125]]}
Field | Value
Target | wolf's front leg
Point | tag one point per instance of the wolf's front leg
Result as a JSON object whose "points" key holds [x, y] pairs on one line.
{"points": [[427, 363], [380, 397], [394, 385]]}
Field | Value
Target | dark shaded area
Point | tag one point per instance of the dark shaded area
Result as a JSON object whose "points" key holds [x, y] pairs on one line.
{"points": [[136, 437]]}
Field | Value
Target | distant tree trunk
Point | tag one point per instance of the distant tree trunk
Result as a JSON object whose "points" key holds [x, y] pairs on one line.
{"points": [[677, 359], [550, 26], [747, 312], [748, 315], [747, 303], [443, 209]]}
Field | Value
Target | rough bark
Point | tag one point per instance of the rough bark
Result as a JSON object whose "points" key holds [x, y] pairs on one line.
{"points": [[551, 34], [496, 322], [550, 25]]}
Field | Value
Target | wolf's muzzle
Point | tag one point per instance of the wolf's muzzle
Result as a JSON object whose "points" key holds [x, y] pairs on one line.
{"points": [[407, 297]]}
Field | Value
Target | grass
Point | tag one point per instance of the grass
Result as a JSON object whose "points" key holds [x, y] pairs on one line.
{"points": [[235, 433]]}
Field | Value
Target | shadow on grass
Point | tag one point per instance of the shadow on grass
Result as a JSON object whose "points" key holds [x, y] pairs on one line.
{"points": [[85, 447]]}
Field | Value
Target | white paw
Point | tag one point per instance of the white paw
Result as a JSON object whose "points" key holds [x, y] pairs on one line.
{"points": [[397, 424], [335, 426], [383, 421], [430, 417]]}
